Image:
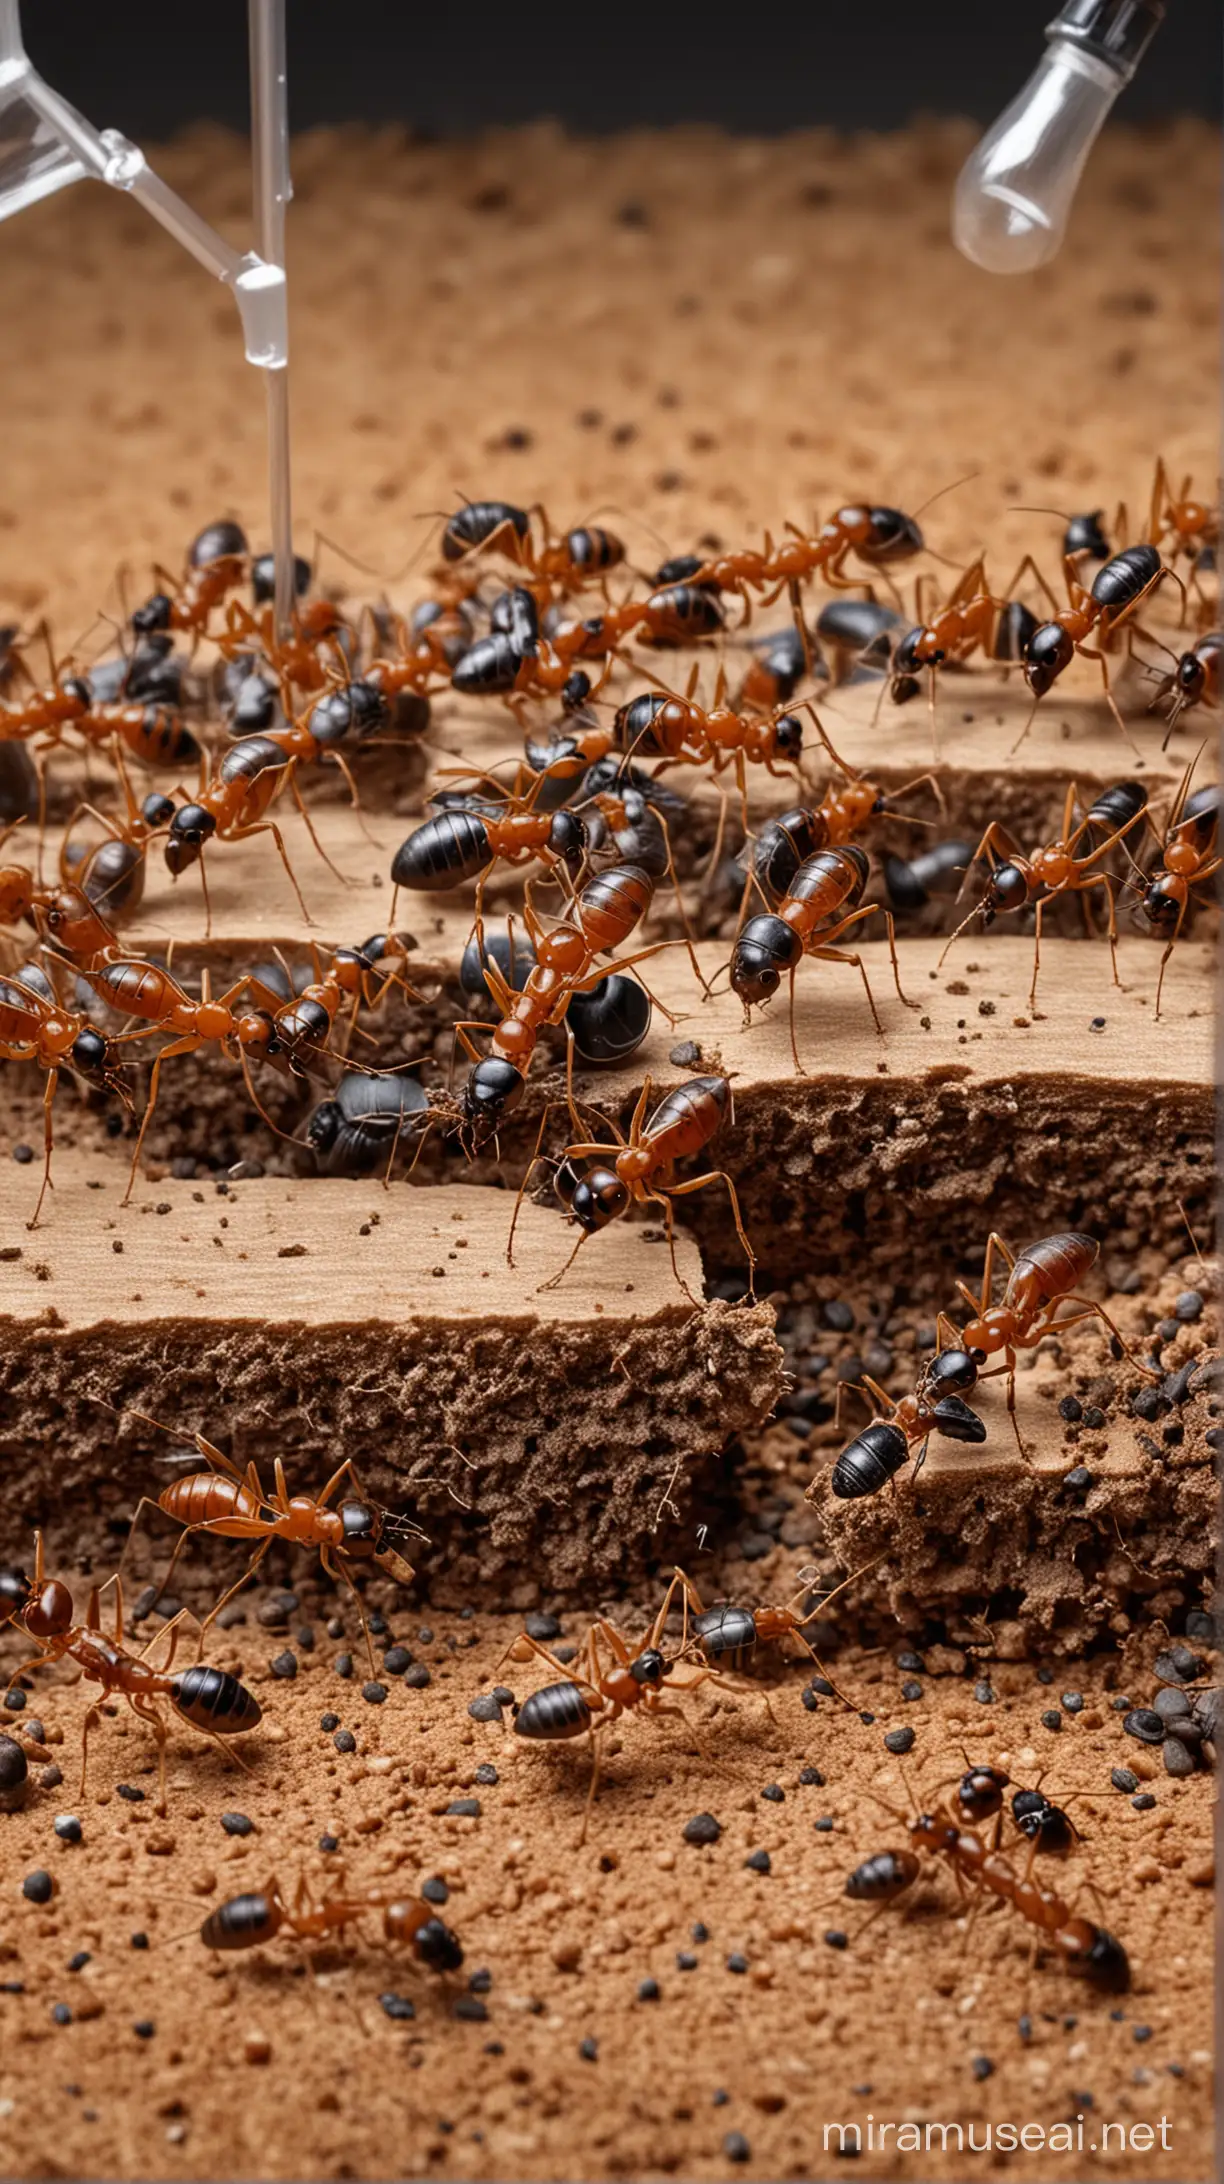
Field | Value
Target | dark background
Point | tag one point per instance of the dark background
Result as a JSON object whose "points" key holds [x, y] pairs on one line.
{"points": [[448, 67]]}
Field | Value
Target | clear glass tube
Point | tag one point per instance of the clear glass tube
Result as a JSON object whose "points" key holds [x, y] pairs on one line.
{"points": [[1015, 192]]}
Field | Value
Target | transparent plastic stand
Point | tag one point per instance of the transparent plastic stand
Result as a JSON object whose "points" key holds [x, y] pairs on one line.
{"points": [[45, 144]]}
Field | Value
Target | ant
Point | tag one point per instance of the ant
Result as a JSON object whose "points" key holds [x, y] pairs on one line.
{"points": [[1117, 590], [154, 733], [875, 536], [1042, 1277], [246, 1921], [605, 912], [230, 1504], [876, 1454], [979, 1795], [779, 664], [1190, 528], [233, 805], [295, 660], [661, 723], [728, 1635], [597, 1183], [462, 843], [971, 619], [302, 1025], [611, 1679], [217, 561], [136, 988], [1057, 868], [847, 806], [1189, 855], [1195, 680], [1084, 1947], [208, 1698], [515, 661], [35, 1028], [62, 914], [822, 902]]}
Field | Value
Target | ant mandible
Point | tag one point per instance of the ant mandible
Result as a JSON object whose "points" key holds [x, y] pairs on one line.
{"points": [[230, 1504], [1055, 869], [209, 1699]]}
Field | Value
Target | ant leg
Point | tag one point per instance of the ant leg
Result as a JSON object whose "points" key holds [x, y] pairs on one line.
{"points": [[689, 940], [269, 826], [48, 1142], [1032, 999], [339, 1572], [800, 1071], [186, 1045], [555, 1280], [1089, 652], [1093, 1310], [92, 1718], [296, 794], [834, 955], [670, 1227], [226, 1597], [522, 1189], [700, 1183]]}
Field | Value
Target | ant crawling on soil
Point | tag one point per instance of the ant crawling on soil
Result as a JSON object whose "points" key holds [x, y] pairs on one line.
{"points": [[230, 1504], [1058, 868], [1189, 855], [727, 1635], [1117, 590], [823, 901], [207, 1698], [987, 1871], [597, 1182], [217, 562], [1194, 680], [35, 1028], [246, 1921], [876, 1454], [611, 1679]]}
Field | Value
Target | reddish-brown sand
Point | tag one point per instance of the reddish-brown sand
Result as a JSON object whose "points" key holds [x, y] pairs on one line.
{"points": [[708, 338]]}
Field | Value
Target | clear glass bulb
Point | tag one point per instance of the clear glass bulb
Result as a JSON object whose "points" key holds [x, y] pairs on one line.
{"points": [[1015, 191]]}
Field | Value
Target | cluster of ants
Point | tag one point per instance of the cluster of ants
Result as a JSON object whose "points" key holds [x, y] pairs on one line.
{"points": [[609, 1678], [585, 809]]}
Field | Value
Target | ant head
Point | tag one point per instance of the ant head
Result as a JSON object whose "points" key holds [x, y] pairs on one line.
{"points": [[48, 1612], [766, 947], [1047, 652], [788, 736], [154, 615], [256, 1031], [360, 1527], [902, 688], [435, 1945], [594, 1199], [91, 1053], [1007, 889], [894, 536], [157, 810], [493, 1090], [567, 839], [1191, 677], [650, 1667], [324, 1126], [189, 829], [217, 542], [1163, 902]]}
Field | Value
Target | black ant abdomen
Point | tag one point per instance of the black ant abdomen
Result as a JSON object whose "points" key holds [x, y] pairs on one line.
{"points": [[352, 1133], [1085, 536], [881, 1877], [911, 883], [782, 845], [868, 1462], [474, 525], [1097, 1955], [1014, 631], [610, 1021], [489, 668], [514, 614], [263, 578], [212, 1699], [1123, 579], [1117, 806], [223, 541], [443, 853], [514, 957], [241, 1923], [552, 1713], [726, 1634], [681, 569]]}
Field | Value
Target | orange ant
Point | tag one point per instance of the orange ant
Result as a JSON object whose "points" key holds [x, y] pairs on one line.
{"points": [[515, 661], [610, 1678], [1084, 1947], [217, 561], [597, 1183], [62, 914], [1044, 1276], [875, 1455], [1194, 680], [972, 619], [233, 806], [296, 660], [570, 561], [1117, 590], [111, 873], [822, 902], [1058, 868], [229, 1504], [136, 988], [875, 536], [35, 1028], [246, 1921], [208, 1698], [728, 1635], [1189, 856], [1191, 528]]}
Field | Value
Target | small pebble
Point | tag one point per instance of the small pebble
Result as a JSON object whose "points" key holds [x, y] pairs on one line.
{"points": [[699, 1931], [1123, 1779], [774, 1793], [913, 1662], [1073, 1702], [1094, 1418], [1144, 1723], [836, 1938], [435, 1890], [811, 1777], [1051, 1719], [129, 1794], [328, 1843], [910, 1689], [1170, 1704], [648, 1990], [285, 1665], [1178, 1665], [758, 1861], [736, 1962], [485, 1707], [465, 1808], [1071, 1409], [417, 1677], [984, 1694], [138, 1941], [328, 1722], [1141, 2033], [68, 1828], [471, 2010], [899, 1740], [61, 2014], [702, 1828], [736, 2147], [982, 2067], [1189, 1306], [486, 1774], [542, 1627], [686, 1961], [397, 2006], [15, 1699], [78, 1962], [1179, 1761], [1145, 1802], [1145, 1403], [374, 1694], [38, 1887], [344, 1740], [396, 1659], [1024, 2027], [588, 2049], [1078, 1479], [824, 1826], [343, 1665], [14, 1772], [144, 2028], [838, 1316]]}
